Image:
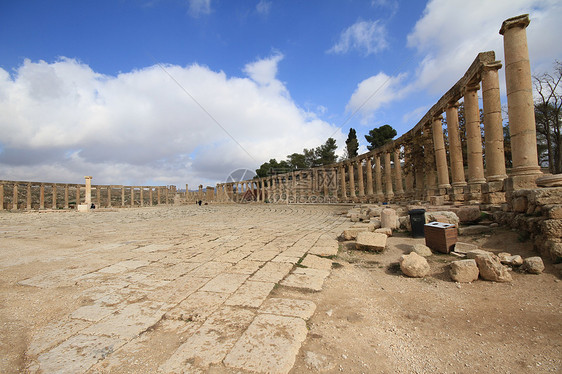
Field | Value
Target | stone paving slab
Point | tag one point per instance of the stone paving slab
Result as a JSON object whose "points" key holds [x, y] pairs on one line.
{"points": [[306, 278], [289, 307], [269, 345], [182, 289], [251, 294]]}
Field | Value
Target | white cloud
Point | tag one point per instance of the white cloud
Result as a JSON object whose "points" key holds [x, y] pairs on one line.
{"points": [[374, 92], [450, 34], [199, 7], [60, 121], [367, 37], [263, 7]]}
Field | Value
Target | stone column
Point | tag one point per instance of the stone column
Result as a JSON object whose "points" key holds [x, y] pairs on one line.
{"points": [[351, 180], [378, 178], [520, 106], [168, 193], [455, 148], [398, 172], [66, 196], [15, 198], [109, 196], [473, 135], [360, 178], [29, 196], [150, 196], [1, 196], [132, 196], [42, 196], [409, 178], [88, 191], [98, 196], [369, 167], [141, 196], [440, 153], [342, 181], [493, 130], [388, 176], [77, 195], [54, 186], [122, 195]]}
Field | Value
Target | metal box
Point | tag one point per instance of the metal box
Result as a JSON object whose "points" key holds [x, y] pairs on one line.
{"points": [[440, 237]]}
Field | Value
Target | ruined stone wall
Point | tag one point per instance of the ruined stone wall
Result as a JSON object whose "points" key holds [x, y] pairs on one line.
{"points": [[25, 195]]}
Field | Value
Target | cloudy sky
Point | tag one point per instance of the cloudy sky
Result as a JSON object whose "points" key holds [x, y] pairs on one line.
{"points": [[159, 92]]}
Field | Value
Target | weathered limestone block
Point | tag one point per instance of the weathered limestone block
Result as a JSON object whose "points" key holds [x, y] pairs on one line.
{"points": [[508, 259], [389, 218], [414, 265], [375, 211], [552, 228], [462, 247], [491, 268], [384, 230], [404, 223], [472, 253], [544, 196], [442, 216], [421, 250], [464, 271], [468, 214], [553, 211], [533, 265], [519, 204], [351, 233], [354, 217], [370, 241], [553, 249]]}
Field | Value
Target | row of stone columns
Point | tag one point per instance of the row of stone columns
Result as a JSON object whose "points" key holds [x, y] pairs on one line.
{"points": [[162, 195], [430, 173]]}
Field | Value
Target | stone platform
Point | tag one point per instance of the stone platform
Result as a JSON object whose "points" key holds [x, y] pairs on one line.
{"points": [[164, 289]]}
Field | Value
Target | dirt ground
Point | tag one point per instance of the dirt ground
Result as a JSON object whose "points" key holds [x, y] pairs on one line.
{"points": [[370, 318]]}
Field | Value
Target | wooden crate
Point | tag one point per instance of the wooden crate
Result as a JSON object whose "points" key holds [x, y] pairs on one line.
{"points": [[440, 237]]}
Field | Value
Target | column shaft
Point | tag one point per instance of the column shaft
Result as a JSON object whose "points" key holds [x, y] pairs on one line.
{"points": [[473, 136], [440, 153], [369, 167], [42, 196], [455, 148], [54, 187], [360, 178], [388, 176], [351, 180], [15, 197], [29, 197], [66, 196], [378, 178], [398, 172]]}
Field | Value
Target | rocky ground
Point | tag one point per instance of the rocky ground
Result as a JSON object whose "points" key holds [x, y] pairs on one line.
{"points": [[256, 288]]}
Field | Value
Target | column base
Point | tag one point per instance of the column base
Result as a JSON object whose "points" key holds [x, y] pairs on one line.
{"points": [[521, 182]]}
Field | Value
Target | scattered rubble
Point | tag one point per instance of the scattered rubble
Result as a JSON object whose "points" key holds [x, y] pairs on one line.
{"points": [[464, 271], [414, 265]]}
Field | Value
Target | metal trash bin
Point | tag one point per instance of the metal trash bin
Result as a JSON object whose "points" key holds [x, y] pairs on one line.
{"points": [[417, 221]]}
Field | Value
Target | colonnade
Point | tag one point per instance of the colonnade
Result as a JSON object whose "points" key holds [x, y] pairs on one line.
{"points": [[24, 195], [423, 164]]}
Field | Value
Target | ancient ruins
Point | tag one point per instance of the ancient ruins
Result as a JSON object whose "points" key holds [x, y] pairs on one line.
{"points": [[234, 288]]}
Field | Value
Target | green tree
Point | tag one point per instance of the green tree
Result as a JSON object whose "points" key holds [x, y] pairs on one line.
{"points": [[380, 136], [273, 167], [326, 153], [297, 161], [351, 144]]}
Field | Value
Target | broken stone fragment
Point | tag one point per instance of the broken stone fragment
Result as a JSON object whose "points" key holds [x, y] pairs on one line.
{"points": [[464, 271], [385, 230], [477, 252], [491, 268], [389, 218], [533, 265], [422, 250], [508, 259], [462, 247], [370, 241], [414, 265]]}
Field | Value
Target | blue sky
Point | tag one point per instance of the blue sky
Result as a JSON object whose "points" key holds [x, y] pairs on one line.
{"points": [[103, 88]]}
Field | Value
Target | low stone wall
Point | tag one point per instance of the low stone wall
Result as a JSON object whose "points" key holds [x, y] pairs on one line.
{"points": [[537, 213]]}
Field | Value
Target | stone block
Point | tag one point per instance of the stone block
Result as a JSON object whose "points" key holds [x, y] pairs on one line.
{"points": [[442, 216], [468, 214], [384, 230], [414, 265], [519, 204], [474, 230], [544, 196], [521, 182], [508, 259], [462, 247], [494, 198], [351, 233], [553, 211], [552, 228], [421, 250], [389, 218], [370, 241], [491, 268], [473, 253], [436, 200], [464, 271], [354, 217], [533, 265], [494, 186]]}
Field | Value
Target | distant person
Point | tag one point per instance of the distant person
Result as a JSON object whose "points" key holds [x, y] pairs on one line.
{"points": [[92, 206], [199, 202]]}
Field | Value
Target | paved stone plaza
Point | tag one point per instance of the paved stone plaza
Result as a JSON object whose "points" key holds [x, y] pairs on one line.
{"points": [[161, 289]]}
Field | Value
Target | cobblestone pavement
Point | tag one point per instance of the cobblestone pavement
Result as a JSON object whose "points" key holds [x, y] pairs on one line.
{"points": [[161, 289]]}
